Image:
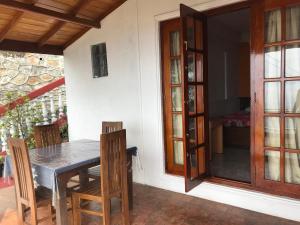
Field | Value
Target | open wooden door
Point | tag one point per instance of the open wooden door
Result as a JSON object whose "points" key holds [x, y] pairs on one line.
{"points": [[194, 86]]}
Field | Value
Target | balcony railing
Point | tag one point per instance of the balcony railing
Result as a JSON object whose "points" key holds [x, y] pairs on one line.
{"points": [[48, 105]]}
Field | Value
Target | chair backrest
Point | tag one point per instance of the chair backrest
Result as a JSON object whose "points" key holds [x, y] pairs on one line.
{"points": [[22, 173], [113, 163], [108, 127], [46, 135]]}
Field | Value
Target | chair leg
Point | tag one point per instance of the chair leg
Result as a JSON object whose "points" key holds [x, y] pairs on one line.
{"points": [[125, 209], [21, 215], [106, 211], [49, 207], [33, 216], [76, 212]]}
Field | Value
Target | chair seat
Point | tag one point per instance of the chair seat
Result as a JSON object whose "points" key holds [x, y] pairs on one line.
{"points": [[43, 196], [92, 188], [94, 172]]}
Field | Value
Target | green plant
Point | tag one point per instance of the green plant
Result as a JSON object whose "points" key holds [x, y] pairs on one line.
{"points": [[20, 117]]}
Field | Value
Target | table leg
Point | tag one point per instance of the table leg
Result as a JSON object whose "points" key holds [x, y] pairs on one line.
{"points": [[83, 177], [130, 180], [61, 204]]}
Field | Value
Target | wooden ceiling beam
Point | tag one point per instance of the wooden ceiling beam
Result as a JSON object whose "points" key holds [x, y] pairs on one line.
{"points": [[13, 22], [20, 46], [19, 6], [10, 25], [80, 5]]}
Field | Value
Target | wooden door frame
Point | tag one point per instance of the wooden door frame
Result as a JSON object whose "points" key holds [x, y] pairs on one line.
{"points": [[223, 181], [253, 7]]}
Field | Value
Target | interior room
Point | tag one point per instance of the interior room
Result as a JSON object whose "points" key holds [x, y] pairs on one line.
{"points": [[229, 95]]}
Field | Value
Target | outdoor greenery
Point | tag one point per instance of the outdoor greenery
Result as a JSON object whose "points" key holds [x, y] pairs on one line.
{"points": [[19, 119]]}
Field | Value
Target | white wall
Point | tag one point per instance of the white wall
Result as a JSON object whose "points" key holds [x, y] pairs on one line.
{"points": [[132, 93]]}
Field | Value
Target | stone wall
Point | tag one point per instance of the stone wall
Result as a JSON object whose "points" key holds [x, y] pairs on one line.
{"points": [[28, 71]]}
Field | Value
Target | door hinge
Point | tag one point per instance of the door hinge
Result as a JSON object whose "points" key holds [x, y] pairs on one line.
{"points": [[186, 45], [254, 97]]}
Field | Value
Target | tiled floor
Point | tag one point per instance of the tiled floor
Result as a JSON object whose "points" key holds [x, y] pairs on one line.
{"points": [[233, 164], [154, 206]]}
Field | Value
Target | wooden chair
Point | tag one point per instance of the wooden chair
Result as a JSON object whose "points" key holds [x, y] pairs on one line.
{"points": [[107, 127], [47, 135], [113, 181], [28, 199]]}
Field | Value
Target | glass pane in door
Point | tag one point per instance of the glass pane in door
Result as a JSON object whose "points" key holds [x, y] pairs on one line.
{"points": [[190, 32], [199, 34], [292, 96], [175, 43], [292, 133], [177, 126], [292, 60], [292, 168], [199, 67], [191, 67], [200, 99], [272, 132], [293, 22], [178, 152], [175, 71], [273, 26], [192, 99], [272, 165], [192, 131], [272, 62], [272, 97], [176, 99]]}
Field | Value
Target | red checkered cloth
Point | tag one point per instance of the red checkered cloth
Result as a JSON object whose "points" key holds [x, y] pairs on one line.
{"points": [[239, 119]]}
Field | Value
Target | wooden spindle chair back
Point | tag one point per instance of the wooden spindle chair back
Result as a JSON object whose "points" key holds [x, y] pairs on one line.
{"points": [[109, 126], [23, 178], [47, 135]]}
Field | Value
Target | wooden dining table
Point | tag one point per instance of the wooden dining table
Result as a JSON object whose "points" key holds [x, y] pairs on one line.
{"points": [[54, 166]]}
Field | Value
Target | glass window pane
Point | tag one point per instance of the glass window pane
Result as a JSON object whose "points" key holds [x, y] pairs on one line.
{"points": [[272, 97], [200, 99], [199, 67], [199, 35], [177, 125], [190, 32], [292, 133], [175, 43], [272, 165], [192, 95], [175, 71], [292, 96], [176, 99], [191, 67], [192, 131], [273, 26], [178, 152], [272, 132], [292, 168], [272, 62], [293, 23], [292, 60]]}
